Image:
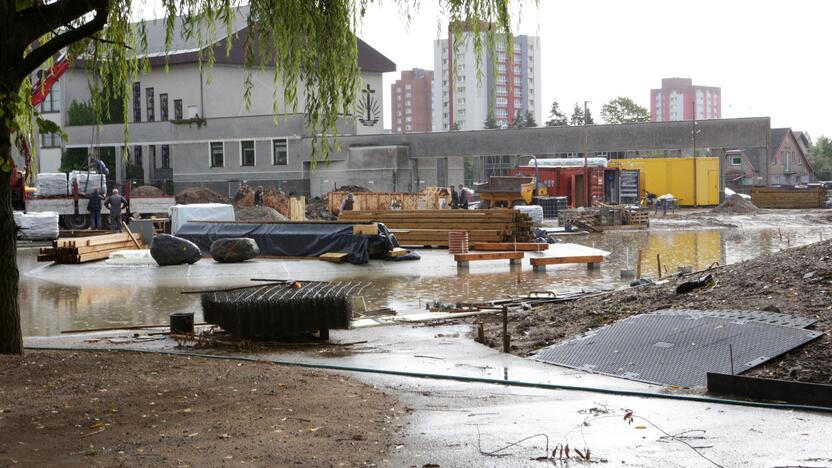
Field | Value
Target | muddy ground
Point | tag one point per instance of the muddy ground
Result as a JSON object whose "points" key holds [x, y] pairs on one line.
{"points": [[128, 409], [794, 281]]}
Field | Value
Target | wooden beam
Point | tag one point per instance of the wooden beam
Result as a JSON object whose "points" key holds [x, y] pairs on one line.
{"points": [[517, 246], [541, 261], [477, 256]]}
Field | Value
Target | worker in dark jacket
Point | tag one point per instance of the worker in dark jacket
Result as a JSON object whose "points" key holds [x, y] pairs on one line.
{"points": [[463, 197], [258, 196], [94, 207], [454, 198], [115, 203], [348, 203]]}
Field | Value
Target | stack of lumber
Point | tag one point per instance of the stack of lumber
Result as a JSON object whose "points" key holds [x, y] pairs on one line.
{"points": [[431, 227], [88, 249], [602, 216], [785, 198]]}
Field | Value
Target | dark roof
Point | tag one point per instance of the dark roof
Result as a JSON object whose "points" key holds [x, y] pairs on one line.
{"points": [[371, 60], [777, 136], [186, 50]]}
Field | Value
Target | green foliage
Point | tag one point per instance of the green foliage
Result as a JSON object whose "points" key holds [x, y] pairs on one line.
{"points": [[73, 159], [578, 117], [624, 110], [80, 113], [490, 122], [556, 117], [530, 121], [519, 121], [820, 154]]}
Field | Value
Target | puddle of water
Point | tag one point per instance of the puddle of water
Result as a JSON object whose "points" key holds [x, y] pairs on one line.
{"points": [[47, 308]]}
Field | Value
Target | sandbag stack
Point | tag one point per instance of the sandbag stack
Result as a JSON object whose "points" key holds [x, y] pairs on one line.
{"points": [[36, 226], [51, 184], [88, 182]]}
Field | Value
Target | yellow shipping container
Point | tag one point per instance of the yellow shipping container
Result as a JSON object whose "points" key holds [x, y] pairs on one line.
{"points": [[675, 176]]}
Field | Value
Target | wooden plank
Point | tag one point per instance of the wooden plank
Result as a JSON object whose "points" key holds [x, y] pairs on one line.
{"points": [[539, 261], [334, 257], [519, 246], [94, 240], [397, 252], [476, 256], [130, 234], [99, 248], [769, 389], [365, 230]]}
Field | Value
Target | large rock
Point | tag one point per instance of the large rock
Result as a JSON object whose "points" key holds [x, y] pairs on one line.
{"points": [[233, 250], [172, 250]]}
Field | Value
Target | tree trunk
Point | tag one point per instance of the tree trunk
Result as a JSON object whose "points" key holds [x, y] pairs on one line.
{"points": [[11, 341]]}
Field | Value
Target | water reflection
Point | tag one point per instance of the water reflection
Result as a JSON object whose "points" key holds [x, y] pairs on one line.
{"points": [[48, 308]]}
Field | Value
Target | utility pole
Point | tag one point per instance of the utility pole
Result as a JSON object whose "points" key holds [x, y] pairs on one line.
{"points": [[695, 187], [586, 166]]}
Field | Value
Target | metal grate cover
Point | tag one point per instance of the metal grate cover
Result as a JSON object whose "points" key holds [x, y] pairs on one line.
{"points": [[772, 318], [677, 347]]}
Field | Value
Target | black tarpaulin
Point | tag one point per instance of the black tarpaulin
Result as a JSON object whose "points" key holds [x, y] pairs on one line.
{"points": [[293, 239]]}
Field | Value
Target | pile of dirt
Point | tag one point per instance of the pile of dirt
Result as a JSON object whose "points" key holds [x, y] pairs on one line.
{"points": [[131, 409], [193, 195], [146, 191], [353, 189], [317, 208], [272, 197], [795, 281], [735, 204], [258, 213]]}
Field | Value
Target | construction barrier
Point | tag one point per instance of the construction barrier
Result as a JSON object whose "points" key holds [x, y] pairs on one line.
{"points": [[769, 197], [431, 198]]}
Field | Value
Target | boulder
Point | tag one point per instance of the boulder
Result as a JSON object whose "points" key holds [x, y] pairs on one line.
{"points": [[172, 250], [233, 250]]}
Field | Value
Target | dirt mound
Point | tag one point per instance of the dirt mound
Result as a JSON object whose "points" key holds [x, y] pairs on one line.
{"points": [[798, 285], [258, 213], [353, 188], [193, 195], [735, 204], [317, 208], [146, 191], [272, 197]]}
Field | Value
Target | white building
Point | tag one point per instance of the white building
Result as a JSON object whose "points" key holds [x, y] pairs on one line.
{"points": [[463, 101]]}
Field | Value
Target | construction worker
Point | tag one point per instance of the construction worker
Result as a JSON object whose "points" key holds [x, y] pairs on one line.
{"points": [[94, 207], [115, 203], [454, 198], [463, 197], [348, 203], [258, 196]]}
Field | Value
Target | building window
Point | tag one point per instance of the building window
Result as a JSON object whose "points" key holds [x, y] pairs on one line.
{"points": [[137, 102], [736, 160], [407, 103], [151, 153], [151, 108], [177, 109], [408, 128], [408, 111], [163, 107], [137, 156], [50, 140], [280, 152], [166, 156], [517, 103], [217, 154], [52, 103], [247, 153]]}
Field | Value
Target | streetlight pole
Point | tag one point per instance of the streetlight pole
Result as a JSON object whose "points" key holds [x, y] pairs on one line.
{"points": [[586, 166], [695, 188]]}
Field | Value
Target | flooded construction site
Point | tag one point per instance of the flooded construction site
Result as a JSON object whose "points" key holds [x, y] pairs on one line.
{"points": [[58, 298]]}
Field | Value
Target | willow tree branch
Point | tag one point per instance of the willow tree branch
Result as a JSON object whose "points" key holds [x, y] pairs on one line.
{"points": [[42, 53]]}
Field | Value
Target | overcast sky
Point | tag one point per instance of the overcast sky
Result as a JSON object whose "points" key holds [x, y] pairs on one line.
{"points": [[770, 58]]}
